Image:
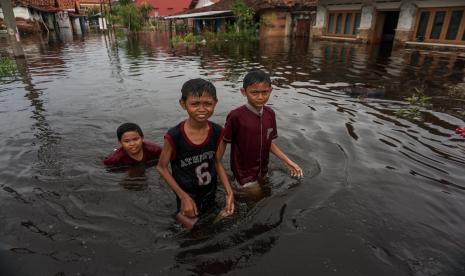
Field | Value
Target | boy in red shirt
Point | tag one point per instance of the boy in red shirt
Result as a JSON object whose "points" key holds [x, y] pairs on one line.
{"points": [[251, 130], [134, 149], [191, 149]]}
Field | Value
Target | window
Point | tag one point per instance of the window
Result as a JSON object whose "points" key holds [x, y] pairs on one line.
{"points": [[331, 23], [347, 23], [445, 25], [454, 25], [338, 23], [437, 25], [343, 23], [424, 17], [358, 17]]}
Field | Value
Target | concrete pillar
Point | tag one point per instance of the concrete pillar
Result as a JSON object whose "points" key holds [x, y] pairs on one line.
{"points": [[13, 33], [62, 19], [405, 26], [367, 22], [77, 25], [102, 23], [287, 29], [318, 29]]}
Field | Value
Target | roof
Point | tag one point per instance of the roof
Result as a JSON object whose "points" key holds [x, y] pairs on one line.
{"points": [[197, 14], [257, 5]]}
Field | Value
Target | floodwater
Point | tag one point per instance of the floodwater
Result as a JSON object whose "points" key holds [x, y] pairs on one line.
{"points": [[382, 195]]}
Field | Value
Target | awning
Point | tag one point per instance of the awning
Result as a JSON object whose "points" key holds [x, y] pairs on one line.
{"points": [[197, 14]]}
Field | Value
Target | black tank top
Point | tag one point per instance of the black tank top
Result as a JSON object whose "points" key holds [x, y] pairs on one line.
{"points": [[193, 166]]}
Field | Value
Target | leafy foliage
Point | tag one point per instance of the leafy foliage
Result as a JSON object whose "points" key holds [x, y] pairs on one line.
{"points": [[7, 67], [244, 16], [416, 101], [128, 15], [92, 11]]}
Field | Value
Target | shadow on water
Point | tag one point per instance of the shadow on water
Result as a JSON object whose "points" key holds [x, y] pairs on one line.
{"points": [[383, 195]]}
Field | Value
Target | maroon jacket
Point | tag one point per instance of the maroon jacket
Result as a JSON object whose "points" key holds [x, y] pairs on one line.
{"points": [[250, 134], [121, 158]]}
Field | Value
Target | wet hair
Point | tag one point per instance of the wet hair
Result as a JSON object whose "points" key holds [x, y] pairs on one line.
{"points": [[122, 129], [197, 88], [256, 76]]}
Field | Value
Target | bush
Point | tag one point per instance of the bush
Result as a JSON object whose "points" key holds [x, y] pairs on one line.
{"points": [[7, 67]]}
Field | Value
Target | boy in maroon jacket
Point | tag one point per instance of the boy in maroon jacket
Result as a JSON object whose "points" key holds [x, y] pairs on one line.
{"points": [[251, 130], [134, 149]]}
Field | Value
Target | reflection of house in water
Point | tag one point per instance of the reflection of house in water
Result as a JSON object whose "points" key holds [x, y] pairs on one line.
{"points": [[422, 22], [276, 17], [49, 15]]}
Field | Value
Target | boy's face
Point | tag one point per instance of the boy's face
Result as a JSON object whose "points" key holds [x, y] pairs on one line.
{"points": [[131, 141], [200, 109], [257, 94]]}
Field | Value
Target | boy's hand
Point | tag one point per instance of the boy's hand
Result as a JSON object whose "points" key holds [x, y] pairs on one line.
{"points": [[295, 170], [229, 209], [188, 207]]}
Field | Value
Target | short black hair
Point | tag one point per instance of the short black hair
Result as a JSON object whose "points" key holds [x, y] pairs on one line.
{"points": [[128, 127], [256, 76], [197, 88]]}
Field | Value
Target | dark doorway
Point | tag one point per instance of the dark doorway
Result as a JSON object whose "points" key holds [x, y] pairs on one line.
{"points": [[386, 25], [302, 28]]}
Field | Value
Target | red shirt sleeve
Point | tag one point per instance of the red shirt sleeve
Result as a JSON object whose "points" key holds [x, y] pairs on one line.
{"points": [[229, 127], [220, 138]]}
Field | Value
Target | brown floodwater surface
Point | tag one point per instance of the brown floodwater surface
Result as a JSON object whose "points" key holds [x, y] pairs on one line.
{"points": [[382, 195]]}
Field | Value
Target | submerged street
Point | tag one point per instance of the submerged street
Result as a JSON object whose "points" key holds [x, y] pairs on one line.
{"points": [[383, 192]]}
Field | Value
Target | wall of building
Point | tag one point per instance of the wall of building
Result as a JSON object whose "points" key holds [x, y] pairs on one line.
{"points": [[275, 23], [166, 7], [19, 12], [369, 16]]}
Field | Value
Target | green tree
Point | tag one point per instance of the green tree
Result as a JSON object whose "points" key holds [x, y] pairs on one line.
{"points": [[244, 16], [128, 15], [145, 10]]}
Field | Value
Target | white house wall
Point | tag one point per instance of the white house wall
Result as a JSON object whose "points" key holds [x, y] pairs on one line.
{"points": [[19, 12]]}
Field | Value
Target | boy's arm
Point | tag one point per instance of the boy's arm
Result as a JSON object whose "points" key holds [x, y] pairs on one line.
{"points": [[224, 178], [295, 169], [188, 207]]}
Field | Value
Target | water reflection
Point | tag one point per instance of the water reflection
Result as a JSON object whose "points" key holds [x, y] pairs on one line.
{"points": [[48, 159], [382, 195]]}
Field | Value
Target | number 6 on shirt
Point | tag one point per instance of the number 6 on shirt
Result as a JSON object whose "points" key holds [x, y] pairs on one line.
{"points": [[204, 177]]}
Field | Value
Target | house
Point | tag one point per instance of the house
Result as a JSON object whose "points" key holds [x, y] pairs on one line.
{"points": [[34, 15], [165, 7], [276, 17], [405, 22]]}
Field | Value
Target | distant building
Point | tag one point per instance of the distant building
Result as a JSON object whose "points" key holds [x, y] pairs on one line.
{"points": [[412, 22], [276, 17], [34, 15], [166, 7]]}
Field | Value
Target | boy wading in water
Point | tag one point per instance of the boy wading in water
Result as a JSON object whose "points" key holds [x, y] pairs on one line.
{"points": [[133, 148], [251, 130], [191, 149]]}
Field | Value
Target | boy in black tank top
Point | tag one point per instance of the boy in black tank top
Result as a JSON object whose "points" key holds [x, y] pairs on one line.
{"points": [[191, 149]]}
